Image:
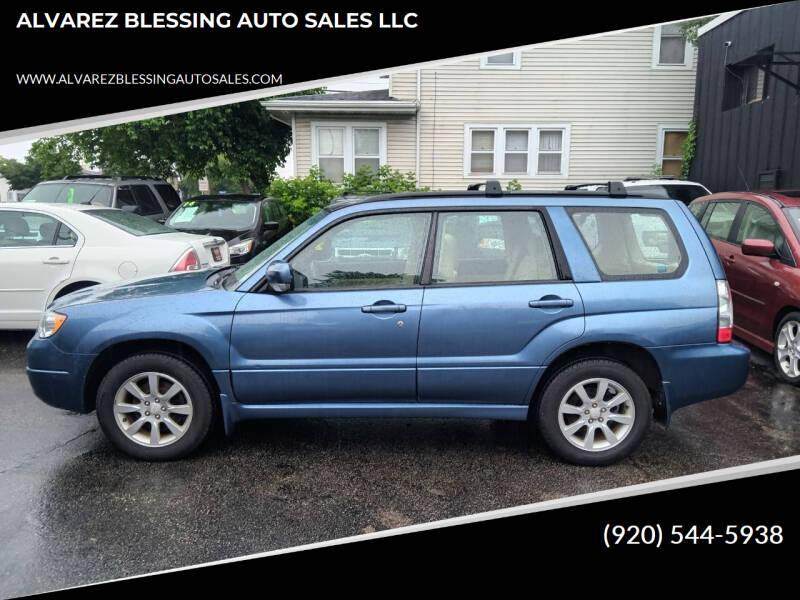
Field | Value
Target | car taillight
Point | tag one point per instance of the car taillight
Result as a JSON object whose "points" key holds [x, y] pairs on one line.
{"points": [[187, 262], [724, 312]]}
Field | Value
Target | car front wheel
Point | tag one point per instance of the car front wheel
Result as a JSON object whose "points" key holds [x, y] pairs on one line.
{"points": [[787, 348], [594, 412], [155, 407]]}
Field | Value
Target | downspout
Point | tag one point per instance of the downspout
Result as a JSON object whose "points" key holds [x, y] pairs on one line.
{"points": [[419, 109]]}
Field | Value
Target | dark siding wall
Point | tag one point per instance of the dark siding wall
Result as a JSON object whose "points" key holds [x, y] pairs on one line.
{"points": [[734, 146]]}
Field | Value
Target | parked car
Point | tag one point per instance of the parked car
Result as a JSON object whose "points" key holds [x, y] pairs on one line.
{"points": [[661, 187], [146, 196], [50, 250], [248, 222], [553, 307], [756, 236]]}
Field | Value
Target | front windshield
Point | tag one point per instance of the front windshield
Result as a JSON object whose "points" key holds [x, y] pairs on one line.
{"points": [[129, 222], [235, 215], [255, 263]]}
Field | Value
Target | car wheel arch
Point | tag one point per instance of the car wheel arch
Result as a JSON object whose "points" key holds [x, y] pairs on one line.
{"points": [[779, 316], [71, 286], [118, 352], [635, 357]]}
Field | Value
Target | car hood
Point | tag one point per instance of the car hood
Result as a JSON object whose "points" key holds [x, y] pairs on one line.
{"points": [[164, 285]]}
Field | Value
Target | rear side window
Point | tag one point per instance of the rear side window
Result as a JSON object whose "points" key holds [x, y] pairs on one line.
{"points": [[492, 247], [26, 229], [631, 243], [697, 209], [148, 205], [719, 219], [169, 195]]}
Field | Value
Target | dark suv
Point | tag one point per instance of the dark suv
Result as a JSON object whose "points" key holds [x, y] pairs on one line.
{"points": [[146, 196]]}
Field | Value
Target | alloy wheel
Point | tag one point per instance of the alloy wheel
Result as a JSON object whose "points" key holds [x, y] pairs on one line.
{"points": [[788, 348], [596, 414]]}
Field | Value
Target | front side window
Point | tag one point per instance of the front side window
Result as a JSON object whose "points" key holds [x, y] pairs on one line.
{"points": [[19, 228], [719, 219], [146, 200], [516, 150], [630, 243], [484, 247], [340, 149], [758, 224], [372, 251], [169, 195]]}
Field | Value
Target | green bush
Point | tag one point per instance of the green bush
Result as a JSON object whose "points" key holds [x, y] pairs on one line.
{"points": [[301, 197]]}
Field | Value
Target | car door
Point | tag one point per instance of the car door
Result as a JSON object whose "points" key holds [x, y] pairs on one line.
{"points": [[37, 252], [761, 280], [347, 332], [496, 306], [718, 221]]}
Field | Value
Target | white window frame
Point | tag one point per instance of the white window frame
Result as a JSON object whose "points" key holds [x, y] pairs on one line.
{"points": [[348, 144], [688, 53], [517, 64], [662, 131], [533, 149]]}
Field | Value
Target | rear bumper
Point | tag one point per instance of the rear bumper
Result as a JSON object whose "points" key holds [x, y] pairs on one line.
{"points": [[57, 377], [701, 372]]}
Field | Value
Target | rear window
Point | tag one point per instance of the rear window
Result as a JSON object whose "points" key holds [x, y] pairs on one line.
{"points": [[631, 243], [129, 222]]}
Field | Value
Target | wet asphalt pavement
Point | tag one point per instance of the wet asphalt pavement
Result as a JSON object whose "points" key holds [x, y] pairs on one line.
{"points": [[73, 510]]}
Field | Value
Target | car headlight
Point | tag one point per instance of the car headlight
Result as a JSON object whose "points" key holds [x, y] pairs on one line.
{"points": [[241, 248], [50, 323]]}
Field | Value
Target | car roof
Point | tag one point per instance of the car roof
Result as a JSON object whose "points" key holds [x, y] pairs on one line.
{"points": [[102, 179], [637, 182], [223, 197], [55, 207], [782, 197]]}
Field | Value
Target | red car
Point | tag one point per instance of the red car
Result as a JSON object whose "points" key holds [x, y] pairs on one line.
{"points": [[756, 236]]}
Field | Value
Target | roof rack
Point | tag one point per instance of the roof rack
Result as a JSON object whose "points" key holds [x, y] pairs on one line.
{"points": [[492, 186], [650, 177], [119, 177], [613, 188]]}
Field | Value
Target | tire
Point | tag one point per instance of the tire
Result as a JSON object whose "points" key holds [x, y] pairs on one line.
{"points": [[184, 409], [564, 423], [786, 352]]}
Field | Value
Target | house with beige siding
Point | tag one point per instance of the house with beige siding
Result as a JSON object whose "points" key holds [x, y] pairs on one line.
{"points": [[585, 110]]}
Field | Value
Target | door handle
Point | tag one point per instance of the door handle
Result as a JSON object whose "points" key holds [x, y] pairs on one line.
{"points": [[551, 303], [55, 260], [384, 308]]}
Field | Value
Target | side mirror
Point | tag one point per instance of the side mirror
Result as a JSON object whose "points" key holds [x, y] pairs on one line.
{"points": [[279, 276], [271, 225], [752, 247]]}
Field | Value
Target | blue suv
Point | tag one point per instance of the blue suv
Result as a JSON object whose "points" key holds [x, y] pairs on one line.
{"points": [[586, 313]]}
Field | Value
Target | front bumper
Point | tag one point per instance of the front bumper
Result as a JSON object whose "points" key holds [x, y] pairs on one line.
{"points": [[57, 377], [701, 372]]}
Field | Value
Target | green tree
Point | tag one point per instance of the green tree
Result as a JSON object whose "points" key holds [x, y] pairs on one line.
{"points": [[20, 175], [55, 156], [689, 28]]}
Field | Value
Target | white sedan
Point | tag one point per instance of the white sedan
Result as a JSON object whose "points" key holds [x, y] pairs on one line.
{"points": [[48, 250]]}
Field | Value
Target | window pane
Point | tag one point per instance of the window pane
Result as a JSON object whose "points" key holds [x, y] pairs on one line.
{"points": [[516, 163], [698, 208], [331, 141], [671, 167], [66, 237], [721, 219], [516, 140], [549, 163], [492, 247], [366, 252], [673, 143], [672, 51], [148, 205], [482, 140], [758, 224], [26, 229], [124, 198], [372, 163], [366, 142], [550, 141], [501, 59], [332, 168], [482, 163], [44, 192], [82, 193], [629, 243], [168, 195], [671, 29]]}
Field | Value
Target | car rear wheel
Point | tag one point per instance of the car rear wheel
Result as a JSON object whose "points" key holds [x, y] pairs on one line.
{"points": [[787, 348], [155, 407], [594, 412]]}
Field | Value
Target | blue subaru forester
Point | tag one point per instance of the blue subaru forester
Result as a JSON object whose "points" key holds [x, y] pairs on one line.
{"points": [[586, 313]]}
